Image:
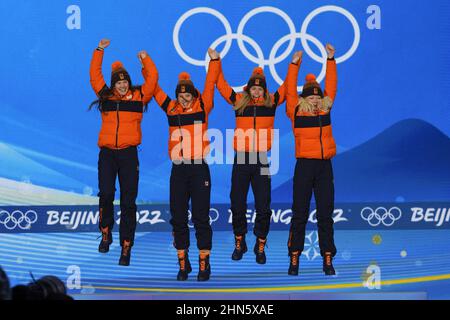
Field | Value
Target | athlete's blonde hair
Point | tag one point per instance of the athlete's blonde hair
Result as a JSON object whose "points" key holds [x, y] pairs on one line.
{"points": [[245, 100], [325, 105]]}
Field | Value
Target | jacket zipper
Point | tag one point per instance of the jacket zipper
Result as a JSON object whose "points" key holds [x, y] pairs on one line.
{"points": [[321, 145], [254, 128], [117, 128], [181, 133]]}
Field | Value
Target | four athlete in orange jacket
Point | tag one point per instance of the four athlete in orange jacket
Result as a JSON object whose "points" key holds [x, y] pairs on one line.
{"points": [[314, 147], [122, 106]]}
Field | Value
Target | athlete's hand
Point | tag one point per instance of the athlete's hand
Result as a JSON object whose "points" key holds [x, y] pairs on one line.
{"points": [[142, 54], [213, 54], [297, 57], [104, 43], [330, 50]]}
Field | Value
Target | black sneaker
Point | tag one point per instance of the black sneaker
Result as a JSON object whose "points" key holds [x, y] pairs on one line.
{"points": [[328, 264], [185, 265], [204, 270], [294, 263], [259, 250], [125, 255], [240, 247], [106, 241]]}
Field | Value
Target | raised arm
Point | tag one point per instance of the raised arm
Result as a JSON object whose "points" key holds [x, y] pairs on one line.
{"points": [[331, 74], [162, 99], [291, 84], [95, 70], [226, 91], [280, 95], [150, 74], [211, 79]]}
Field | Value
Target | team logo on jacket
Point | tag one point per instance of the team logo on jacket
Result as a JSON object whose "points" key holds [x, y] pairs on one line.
{"points": [[206, 183]]}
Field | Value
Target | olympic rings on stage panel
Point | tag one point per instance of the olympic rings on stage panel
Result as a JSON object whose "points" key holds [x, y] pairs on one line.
{"points": [[18, 219], [381, 215], [213, 217]]}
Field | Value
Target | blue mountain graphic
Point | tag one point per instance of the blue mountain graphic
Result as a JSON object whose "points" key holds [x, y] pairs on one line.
{"points": [[409, 161]]}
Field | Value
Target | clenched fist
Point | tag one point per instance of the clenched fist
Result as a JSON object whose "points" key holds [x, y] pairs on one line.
{"points": [[330, 51], [297, 57], [213, 54], [142, 54], [104, 43]]}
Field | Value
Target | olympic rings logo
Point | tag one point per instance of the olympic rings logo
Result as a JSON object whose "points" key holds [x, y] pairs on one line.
{"points": [[381, 215], [18, 219], [212, 217], [273, 59]]}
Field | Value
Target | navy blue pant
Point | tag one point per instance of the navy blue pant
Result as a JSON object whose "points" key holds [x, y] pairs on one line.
{"points": [[190, 181], [123, 163], [313, 175], [256, 174]]}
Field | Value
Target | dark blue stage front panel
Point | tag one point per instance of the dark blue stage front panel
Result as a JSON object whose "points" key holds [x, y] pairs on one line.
{"points": [[357, 216]]}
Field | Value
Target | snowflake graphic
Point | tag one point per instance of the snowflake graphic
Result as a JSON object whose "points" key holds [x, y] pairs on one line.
{"points": [[312, 250]]}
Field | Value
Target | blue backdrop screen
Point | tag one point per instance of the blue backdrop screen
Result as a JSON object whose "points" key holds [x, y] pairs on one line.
{"points": [[390, 118]]}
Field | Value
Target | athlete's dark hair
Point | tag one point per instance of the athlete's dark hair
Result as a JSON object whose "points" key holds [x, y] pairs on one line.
{"points": [[107, 93]]}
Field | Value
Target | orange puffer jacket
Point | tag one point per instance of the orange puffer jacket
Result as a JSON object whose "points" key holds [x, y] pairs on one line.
{"points": [[254, 127], [122, 116], [188, 128], [312, 131]]}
